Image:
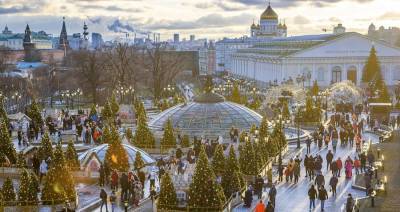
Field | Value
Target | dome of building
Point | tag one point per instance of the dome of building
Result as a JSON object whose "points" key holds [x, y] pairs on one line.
{"points": [[100, 152], [209, 115], [253, 26], [269, 14]]}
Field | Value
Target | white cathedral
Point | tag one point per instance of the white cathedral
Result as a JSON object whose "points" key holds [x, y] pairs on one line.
{"points": [[268, 55]]}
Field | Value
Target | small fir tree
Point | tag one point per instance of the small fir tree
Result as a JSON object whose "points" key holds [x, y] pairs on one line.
{"points": [[106, 112], [204, 192], [247, 159], [33, 111], [372, 68], [315, 88], [71, 157], [264, 127], [231, 182], [7, 148], [3, 113], [167, 199], [8, 192], [218, 162], [129, 134], [143, 138], [114, 106], [168, 139], [21, 162], [33, 189], [24, 186], [46, 149], [235, 95], [139, 163], [116, 155], [185, 141], [93, 111]]}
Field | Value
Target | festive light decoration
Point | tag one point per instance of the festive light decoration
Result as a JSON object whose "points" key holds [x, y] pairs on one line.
{"points": [[143, 138], [59, 185], [3, 113], [46, 149], [247, 159], [218, 162], [34, 112], [169, 139], [21, 162], [8, 192], [71, 157], [7, 148], [167, 199], [116, 155], [204, 192]]}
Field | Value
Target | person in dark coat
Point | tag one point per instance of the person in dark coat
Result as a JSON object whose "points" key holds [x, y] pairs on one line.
{"points": [[322, 196], [124, 186], [103, 197], [363, 160], [312, 194], [259, 183], [334, 168], [320, 180], [349, 203], [270, 207], [248, 198], [101, 178], [329, 158], [333, 183], [272, 194]]}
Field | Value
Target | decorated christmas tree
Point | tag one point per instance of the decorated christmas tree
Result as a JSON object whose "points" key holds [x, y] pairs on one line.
{"points": [[106, 112], [205, 194], [33, 189], [139, 163], [167, 198], [231, 182], [129, 134], [235, 95], [33, 111], [143, 138], [8, 192], [7, 148], [247, 159], [168, 140], [264, 127], [278, 141], [372, 69], [71, 157], [46, 149], [315, 88], [218, 162], [116, 155], [93, 112], [24, 185], [185, 141], [21, 162], [106, 137], [3, 113], [59, 185], [114, 106]]}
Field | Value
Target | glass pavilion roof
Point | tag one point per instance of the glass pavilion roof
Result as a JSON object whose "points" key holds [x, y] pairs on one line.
{"points": [[211, 119]]}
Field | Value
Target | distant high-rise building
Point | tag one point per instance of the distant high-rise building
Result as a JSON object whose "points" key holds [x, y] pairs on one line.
{"points": [[63, 43], [97, 40], [176, 38], [192, 37]]}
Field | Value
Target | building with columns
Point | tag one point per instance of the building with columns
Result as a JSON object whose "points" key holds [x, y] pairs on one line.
{"points": [[327, 58]]}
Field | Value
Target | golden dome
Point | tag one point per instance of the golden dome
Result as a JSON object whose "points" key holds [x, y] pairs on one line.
{"points": [[269, 14], [284, 26], [253, 26]]}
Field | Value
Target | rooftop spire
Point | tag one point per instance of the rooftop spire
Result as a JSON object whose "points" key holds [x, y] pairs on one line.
{"points": [[63, 36]]}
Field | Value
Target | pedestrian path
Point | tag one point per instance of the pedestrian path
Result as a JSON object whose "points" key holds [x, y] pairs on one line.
{"points": [[294, 197]]}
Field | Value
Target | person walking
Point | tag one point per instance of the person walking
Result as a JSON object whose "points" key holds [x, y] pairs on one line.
{"points": [[334, 138], [280, 171], [270, 207], [248, 197], [296, 171], [312, 194], [103, 197], [348, 166], [339, 166], [333, 183], [320, 180], [114, 180], [308, 142], [113, 199], [329, 158], [349, 203], [124, 187], [43, 170], [260, 207], [322, 196], [363, 160], [357, 165], [272, 194], [101, 178], [259, 183]]}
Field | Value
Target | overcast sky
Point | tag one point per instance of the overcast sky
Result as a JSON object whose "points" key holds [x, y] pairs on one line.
{"points": [[212, 19]]}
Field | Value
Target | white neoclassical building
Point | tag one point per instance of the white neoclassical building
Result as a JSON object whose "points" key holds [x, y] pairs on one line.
{"points": [[328, 58]]}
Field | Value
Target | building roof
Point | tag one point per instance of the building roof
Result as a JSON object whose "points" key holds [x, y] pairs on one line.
{"points": [[281, 47], [269, 14]]}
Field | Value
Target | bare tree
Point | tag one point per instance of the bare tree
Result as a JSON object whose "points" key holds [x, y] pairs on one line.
{"points": [[4, 58], [164, 66], [124, 65], [91, 71]]}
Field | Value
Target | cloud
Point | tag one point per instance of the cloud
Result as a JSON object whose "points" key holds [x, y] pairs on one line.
{"points": [[118, 26], [391, 15], [208, 21], [203, 5], [15, 9], [291, 3], [94, 20], [301, 20]]}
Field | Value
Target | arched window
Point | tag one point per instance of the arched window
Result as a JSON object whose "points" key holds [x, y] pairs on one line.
{"points": [[336, 74]]}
